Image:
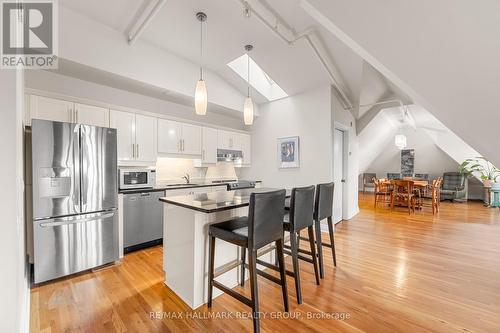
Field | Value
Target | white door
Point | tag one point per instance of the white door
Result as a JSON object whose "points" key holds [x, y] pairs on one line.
{"points": [[338, 174], [91, 115], [124, 122], [145, 138], [209, 142], [51, 109], [246, 148], [191, 136], [169, 136]]}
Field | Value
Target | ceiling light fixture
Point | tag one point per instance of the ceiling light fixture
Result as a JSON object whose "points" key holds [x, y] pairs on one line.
{"points": [[248, 106], [400, 141], [200, 95]]}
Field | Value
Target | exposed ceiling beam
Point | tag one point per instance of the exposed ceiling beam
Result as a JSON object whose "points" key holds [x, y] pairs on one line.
{"points": [[142, 20], [375, 109], [290, 36]]}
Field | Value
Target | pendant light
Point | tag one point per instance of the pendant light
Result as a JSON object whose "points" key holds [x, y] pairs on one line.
{"points": [[400, 141], [248, 106], [200, 95]]}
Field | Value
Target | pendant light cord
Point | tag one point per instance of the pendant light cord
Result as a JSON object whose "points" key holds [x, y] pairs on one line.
{"points": [[201, 50], [248, 75]]}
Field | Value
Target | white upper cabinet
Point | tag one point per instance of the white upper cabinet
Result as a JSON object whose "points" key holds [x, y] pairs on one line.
{"points": [[65, 111], [178, 138], [124, 122], [169, 137], [208, 147], [145, 138], [246, 148], [136, 136], [191, 139], [228, 140], [91, 115], [51, 109]]}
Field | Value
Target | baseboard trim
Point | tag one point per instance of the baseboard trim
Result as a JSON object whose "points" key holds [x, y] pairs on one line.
{"points": [[26, 304]]}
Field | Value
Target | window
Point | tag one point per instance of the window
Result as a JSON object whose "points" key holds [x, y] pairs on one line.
{"points": [[259, 79]]}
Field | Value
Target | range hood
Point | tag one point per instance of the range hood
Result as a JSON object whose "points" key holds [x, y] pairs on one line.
{"points": [[229, 155]]}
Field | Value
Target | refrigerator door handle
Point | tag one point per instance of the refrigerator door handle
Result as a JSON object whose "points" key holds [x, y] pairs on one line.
{"points": [[63, 221]]}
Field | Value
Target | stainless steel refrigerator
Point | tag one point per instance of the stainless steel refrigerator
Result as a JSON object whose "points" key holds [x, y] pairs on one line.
{"points": [[75, 198]]}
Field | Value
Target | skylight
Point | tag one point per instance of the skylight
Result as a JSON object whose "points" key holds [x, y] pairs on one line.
{"points": [[259, 79]]}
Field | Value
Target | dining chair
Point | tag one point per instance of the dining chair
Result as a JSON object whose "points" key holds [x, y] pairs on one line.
{"points": [[262, 226], [382, 189], [403, 194]]}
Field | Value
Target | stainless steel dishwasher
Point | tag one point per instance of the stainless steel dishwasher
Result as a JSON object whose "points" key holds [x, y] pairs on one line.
{"points": [[142, 220]]}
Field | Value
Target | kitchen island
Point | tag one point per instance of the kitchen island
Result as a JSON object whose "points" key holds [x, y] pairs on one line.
{"points": [[185, 242]]}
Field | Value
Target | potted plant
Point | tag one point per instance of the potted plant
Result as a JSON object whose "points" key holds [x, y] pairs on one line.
{"points": [[480, 165]]}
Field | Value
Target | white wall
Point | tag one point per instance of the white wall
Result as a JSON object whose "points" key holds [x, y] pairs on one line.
{"points": [[429, 158], [443, 54], [310, 116], [14, 305], [65, 85], [306, 115], [346, 120]]}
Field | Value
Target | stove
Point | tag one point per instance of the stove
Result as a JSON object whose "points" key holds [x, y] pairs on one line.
{"points": [[240, 184], [223, 181]]}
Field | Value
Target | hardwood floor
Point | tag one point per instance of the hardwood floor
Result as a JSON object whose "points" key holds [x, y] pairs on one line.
{"points": [[396, 273]]}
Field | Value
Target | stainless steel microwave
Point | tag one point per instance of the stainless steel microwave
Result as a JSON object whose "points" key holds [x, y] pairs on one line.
{"points": [[137, 178]]}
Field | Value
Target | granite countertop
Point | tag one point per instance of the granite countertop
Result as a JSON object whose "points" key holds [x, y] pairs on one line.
{"points": [[216, 201], [167, 187]]}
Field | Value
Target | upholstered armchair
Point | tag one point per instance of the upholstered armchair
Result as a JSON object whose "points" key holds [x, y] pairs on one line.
{"points": [[368, 180], [454, 186]]}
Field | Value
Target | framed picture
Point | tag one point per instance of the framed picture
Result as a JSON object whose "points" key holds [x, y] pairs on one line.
{"points": [[288, 152]]}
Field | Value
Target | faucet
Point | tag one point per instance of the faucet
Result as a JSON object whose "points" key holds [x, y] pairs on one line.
{"points": [[186, 178]]}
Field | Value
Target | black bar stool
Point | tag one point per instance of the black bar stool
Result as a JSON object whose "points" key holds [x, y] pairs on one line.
{"points": [[323, 209], [301, 217], [263, 226]]}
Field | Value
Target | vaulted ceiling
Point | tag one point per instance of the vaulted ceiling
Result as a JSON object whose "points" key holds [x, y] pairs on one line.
{"points": [[295, 67]]}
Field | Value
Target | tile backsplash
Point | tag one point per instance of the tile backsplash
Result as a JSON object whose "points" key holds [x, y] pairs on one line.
{"points": [[172, 169]]}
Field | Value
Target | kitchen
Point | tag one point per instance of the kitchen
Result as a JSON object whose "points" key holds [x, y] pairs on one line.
{"points": [[92, 209], [189, 165], [207, 158]]}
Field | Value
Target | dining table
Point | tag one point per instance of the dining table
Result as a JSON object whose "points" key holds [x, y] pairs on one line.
{"points": [[418, 184]]}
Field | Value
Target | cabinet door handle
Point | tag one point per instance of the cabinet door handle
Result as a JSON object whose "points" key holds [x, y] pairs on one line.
{"points": [[179, 145], [76, 116], [133, 150], [203, 154], [137, 150], [182, 144]]}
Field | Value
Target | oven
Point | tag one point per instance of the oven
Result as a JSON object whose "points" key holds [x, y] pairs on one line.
{"points": [[137, 178]]}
